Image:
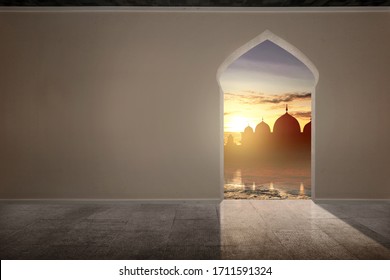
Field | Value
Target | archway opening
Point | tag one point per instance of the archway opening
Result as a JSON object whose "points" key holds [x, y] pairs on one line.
{"points": [[268, 88]]}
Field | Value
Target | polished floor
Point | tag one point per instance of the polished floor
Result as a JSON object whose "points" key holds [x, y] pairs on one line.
{"points": [[235, 229]]}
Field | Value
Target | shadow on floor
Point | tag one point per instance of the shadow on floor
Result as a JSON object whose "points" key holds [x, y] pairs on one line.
{"points": [[360, 223], [109, 231]]}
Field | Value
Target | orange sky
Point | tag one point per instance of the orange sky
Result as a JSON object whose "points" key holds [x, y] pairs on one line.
{"points": [[260, 83]]}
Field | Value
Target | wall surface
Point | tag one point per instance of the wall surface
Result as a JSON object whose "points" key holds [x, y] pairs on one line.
{"points": [[126, 104]]}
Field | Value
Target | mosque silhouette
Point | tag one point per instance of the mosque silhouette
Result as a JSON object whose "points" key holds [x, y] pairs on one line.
{"points": [[286, 143]]}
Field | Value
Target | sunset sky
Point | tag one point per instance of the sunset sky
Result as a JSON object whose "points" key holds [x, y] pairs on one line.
{"points": [[260, 83]]}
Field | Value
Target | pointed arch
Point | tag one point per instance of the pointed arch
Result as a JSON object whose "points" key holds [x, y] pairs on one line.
{"points": [[268, 35]]}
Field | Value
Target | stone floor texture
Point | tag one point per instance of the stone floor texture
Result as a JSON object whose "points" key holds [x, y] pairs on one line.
{"points": [[234, 229]]}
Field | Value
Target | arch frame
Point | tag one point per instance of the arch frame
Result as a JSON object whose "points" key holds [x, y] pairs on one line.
{"points": [[264, 36]]}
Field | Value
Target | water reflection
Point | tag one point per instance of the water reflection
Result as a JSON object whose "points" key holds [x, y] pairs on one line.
{"points": [[301, 189], [291, 181]]}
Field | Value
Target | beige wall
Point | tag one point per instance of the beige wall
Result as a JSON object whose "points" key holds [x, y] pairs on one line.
{"points": [[126, 104]]}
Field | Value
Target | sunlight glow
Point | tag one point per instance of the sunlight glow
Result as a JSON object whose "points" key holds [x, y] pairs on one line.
{"points": [[237, 123]]}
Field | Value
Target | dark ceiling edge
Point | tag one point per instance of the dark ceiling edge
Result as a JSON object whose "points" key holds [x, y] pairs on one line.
{"points": [[195, 3], [191, 9]]}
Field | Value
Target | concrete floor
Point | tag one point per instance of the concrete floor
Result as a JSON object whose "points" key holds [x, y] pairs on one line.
{"points": [[232, 230]]}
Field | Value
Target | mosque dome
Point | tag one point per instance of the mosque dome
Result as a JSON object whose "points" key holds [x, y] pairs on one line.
{"points": [[287, 125], [307, 129], [248, 129], [263, 128]]}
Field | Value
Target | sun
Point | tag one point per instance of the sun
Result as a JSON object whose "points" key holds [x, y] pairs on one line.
{"points": [[236, 124]]}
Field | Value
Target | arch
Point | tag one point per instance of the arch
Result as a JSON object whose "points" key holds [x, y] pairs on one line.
{"points": [[268, 35]]}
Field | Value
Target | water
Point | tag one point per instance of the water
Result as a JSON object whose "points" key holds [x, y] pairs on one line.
{"points": [[268, 182]]}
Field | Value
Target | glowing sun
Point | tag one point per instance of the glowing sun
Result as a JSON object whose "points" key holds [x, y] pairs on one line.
{"points": [[237, 123]]}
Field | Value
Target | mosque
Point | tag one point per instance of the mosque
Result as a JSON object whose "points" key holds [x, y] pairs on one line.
{"points": [[285, 142]]}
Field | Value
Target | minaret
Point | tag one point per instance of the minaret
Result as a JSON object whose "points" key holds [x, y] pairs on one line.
{"points": [[230, 141], [286, 108]]}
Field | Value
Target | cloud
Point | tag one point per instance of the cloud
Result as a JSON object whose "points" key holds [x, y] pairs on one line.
{"points": [[267, 99], [254, 92], [302, 114]]}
